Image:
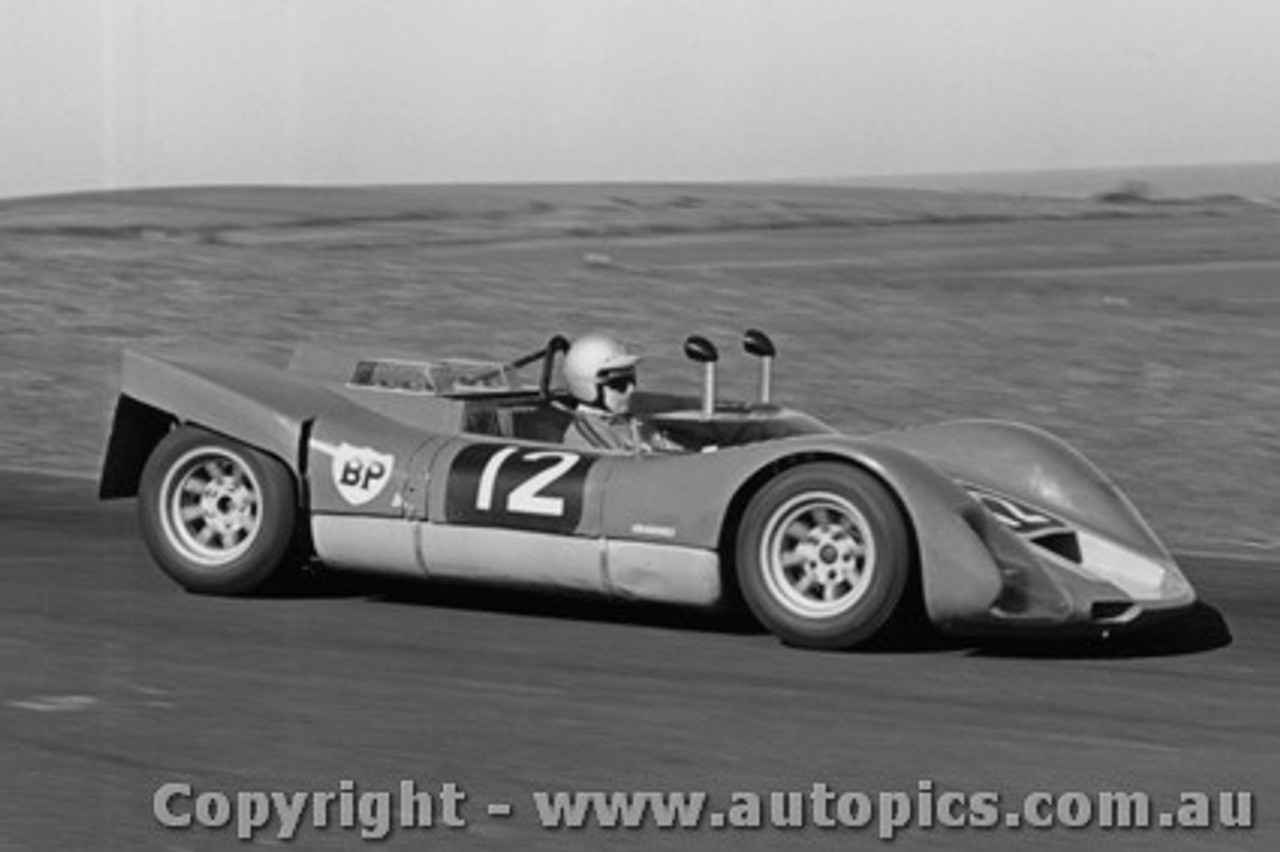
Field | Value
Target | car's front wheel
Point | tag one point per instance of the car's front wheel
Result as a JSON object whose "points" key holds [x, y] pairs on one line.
{"points": [[217, 516], [823, 555]]}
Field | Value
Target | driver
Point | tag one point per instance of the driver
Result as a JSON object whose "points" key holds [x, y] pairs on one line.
{"points": [[601, 375]]}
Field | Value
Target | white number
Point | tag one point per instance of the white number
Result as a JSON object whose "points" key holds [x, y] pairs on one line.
{"points": [[526, 498], [484, 498]]}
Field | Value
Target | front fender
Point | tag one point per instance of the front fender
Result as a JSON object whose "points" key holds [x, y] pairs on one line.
{"points": [[694, 501], [1030, 464], [959, 574]]}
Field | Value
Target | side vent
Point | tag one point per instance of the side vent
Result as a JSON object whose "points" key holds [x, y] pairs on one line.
{"points": [[1062, 543]]}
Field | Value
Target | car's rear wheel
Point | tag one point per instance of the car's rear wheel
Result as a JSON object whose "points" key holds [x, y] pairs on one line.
{"points": [[217, 516], [823, 555]]}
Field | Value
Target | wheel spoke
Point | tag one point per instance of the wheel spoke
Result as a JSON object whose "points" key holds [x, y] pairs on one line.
{"points": [[238, 480], [794, 558], [797, 530]]}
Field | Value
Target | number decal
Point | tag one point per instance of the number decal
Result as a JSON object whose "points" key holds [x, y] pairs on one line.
{"points": [[528, 498], [484, 494], [1021, 519], [511, 486]]}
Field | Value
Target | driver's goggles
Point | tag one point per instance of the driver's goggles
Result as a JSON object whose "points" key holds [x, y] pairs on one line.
{"points": [[620, 382]]}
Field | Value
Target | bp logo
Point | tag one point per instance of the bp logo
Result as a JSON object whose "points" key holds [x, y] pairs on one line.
{"points": [[360, 473]]}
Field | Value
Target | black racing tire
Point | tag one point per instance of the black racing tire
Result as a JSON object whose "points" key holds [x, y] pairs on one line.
{"points": [[823, 556], [217, 516]]}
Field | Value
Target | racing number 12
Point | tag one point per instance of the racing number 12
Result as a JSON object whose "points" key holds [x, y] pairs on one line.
{"points": [[526, 488], [526, 498]]}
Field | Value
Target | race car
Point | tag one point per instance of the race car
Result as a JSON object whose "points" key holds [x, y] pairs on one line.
{"points": [[456, 468]]}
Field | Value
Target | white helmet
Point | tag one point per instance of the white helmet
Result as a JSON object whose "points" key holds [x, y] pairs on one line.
{"points": [[588, 358]]}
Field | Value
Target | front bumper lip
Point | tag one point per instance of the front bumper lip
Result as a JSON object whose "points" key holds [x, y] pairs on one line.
{"points": [[1108, 618], [1097, 589]]}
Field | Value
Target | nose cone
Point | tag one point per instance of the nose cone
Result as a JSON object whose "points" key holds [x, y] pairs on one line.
{"points": [[1176, 589], [1150, 577]]}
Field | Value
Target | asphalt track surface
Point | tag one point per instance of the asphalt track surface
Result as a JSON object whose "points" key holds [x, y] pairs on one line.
{"points": [[115, 682]]}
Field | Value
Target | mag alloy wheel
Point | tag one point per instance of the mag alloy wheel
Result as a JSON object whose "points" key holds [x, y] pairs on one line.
{"points": [[219, 517], [823, 555], [212, 506], [819, 554]]}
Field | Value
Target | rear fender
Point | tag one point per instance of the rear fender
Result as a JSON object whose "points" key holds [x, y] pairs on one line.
{"points": [[136, 428], [255, 405]]}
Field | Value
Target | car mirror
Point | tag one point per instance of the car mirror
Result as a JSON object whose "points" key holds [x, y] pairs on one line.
{"points": [[698, 348], [757, 343]]}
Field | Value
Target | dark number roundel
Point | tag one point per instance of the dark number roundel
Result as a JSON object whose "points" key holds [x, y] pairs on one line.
{"points": [[519, 487]]}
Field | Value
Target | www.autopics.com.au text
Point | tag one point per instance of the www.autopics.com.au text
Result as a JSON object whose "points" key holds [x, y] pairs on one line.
{"points": [[375, 814]]}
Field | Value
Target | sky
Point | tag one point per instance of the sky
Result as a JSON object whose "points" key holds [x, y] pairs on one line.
{"points": [[100, 94]]}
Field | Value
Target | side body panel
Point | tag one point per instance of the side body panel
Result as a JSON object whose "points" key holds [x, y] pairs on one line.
{"points": [[651, 526], [359, 463], [515, 513]]}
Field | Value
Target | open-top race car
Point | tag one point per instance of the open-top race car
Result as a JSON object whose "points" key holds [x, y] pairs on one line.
{"points": [[456, 468]]}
